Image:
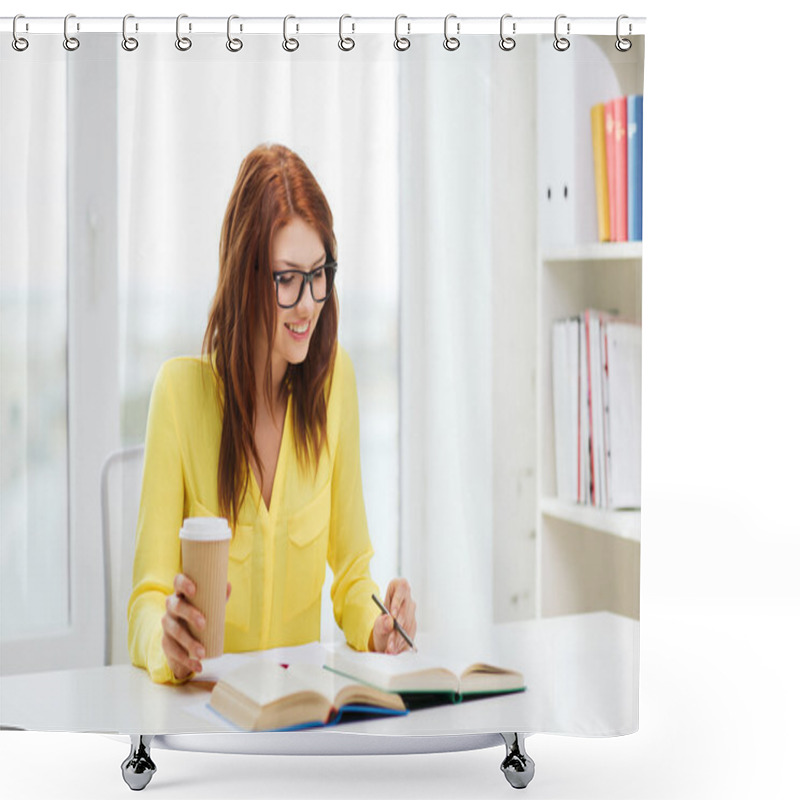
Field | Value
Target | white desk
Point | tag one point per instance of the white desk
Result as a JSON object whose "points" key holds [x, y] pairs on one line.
{"points": [[581, 672]]}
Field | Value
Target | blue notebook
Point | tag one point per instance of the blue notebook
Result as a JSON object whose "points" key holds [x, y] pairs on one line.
{"points": [[635, 168]]}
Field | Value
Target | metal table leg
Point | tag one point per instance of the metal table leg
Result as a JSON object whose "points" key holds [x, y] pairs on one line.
{"points": [[518, 766], [138, 768]]}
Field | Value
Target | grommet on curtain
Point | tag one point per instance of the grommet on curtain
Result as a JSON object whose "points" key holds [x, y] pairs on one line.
{"points": [[234, 45], [345, 42], [623, 45], [451, 42], [561, 43], [290, 45], [183, 43], [128, 42], [401, 43], [70, 42], [507, 42], [19, 43]]}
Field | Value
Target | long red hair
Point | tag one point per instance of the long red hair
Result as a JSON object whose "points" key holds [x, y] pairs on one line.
{"points": [[273, 186]]}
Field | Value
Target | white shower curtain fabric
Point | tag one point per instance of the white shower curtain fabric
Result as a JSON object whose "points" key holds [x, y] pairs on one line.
{"points": [[430, 164]]}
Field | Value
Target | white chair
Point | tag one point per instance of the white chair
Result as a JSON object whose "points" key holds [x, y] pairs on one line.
{"points": [[121, 488]]}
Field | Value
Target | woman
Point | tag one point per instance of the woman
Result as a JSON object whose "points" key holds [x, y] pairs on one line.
{"points": [[262, 430]]}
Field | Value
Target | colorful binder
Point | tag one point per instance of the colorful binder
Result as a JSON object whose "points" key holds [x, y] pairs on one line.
{"points": [[635, 167], [600, 172]]}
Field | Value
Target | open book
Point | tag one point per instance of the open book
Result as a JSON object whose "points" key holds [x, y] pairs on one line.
{"points": [[414, 676], [261, 695]]}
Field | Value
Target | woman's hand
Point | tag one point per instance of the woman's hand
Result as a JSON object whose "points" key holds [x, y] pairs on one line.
{"points": [[384, 638], [182, 650]]}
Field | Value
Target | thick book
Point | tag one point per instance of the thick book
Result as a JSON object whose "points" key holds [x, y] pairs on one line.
{"points": [[600, 172], [265, 696], [421, 680], [635, 167]]}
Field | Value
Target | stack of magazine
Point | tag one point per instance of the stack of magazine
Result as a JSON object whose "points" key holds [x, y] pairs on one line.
{"points": [[597, 410]]}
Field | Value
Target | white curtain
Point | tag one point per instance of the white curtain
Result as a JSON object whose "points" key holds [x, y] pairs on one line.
{"points": [[446, 329], [33, 344]]}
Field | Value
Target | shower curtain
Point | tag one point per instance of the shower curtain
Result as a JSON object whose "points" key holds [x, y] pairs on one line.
{"points": [[487, 208]]}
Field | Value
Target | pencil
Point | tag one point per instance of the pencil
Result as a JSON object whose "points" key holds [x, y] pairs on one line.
{"points": [[398, 627]]}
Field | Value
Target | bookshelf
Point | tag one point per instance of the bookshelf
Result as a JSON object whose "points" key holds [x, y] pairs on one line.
{"points": [[587, 558]]}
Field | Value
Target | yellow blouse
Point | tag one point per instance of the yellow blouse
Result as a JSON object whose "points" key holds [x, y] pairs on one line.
{"points": [[277, 557]]}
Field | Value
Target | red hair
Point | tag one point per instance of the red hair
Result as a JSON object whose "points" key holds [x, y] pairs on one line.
{"points": [[273, 186]]}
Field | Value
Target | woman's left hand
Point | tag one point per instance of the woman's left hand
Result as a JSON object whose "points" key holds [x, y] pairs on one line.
{"points": [[385, 639]]}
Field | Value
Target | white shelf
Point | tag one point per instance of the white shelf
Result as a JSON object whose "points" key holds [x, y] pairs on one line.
{"points": [[624, 524], [595, 251]]}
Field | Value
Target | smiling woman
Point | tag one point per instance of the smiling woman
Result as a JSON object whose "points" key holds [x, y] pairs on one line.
{"points": [[262, 430]]}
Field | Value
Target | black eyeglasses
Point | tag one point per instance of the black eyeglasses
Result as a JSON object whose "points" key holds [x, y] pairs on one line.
{"points": [[290, 283]]}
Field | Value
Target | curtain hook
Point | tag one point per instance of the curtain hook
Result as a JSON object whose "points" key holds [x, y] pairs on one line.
{"points": [[451, 42], [19, 43], [346, 43], [70, 42], [234, 45], [128, 42], [561, 44], [290, 45], [183, 43], [623, 45], [507, 42], [401, 43]]}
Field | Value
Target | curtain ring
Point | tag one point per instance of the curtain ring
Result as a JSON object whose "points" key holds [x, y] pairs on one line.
{"points": [[234, 45], [290, 45], [561, 44], [346, 43], [451, 42], [623, 45], [507, 42], [401, 43], [19, 43], [128, 42], [70, 42], [183, 43]]}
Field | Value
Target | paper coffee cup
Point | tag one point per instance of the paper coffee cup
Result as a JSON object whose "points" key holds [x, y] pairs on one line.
{"points": [[204, 555]]}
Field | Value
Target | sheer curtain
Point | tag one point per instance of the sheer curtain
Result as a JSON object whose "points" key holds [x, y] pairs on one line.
{"points": [[33, 346], [468, 300]]}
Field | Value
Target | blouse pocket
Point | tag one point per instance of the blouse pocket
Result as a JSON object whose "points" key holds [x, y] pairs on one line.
{"points": [[306, 554], [240, 576]]}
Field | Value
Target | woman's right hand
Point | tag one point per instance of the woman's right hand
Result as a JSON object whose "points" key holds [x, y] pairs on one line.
{"points": [[182, 650]]}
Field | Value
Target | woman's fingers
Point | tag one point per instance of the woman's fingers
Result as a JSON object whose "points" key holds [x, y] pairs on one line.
{"points": [[182, 650], [179, 660], [403, 609], [184, 586], [175, 629], [182, 609], [397, 594]]}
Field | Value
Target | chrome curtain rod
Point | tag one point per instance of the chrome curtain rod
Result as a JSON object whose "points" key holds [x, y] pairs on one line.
{"points": [[407, 26]]}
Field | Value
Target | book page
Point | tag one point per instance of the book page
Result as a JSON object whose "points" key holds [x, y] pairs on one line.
{"points": [[214, 669], [264, 681], [393, 672]]}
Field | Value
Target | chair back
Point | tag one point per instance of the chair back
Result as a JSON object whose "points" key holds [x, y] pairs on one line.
{"points": [[121, 488]]}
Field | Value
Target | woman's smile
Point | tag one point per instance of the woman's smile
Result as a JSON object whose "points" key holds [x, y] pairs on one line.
{"points": [[299, 331]]}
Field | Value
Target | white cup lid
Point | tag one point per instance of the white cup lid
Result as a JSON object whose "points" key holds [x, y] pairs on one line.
{"points": [[205, 529]]}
